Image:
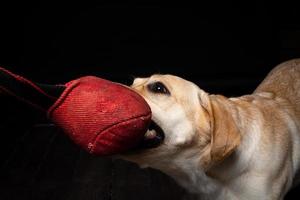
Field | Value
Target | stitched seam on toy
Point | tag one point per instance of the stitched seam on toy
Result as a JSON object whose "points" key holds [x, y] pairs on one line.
{"points": [[61, 99], [112, 126]]}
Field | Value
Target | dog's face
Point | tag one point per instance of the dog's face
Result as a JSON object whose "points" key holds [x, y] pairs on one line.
{"points": [[180, 135]]}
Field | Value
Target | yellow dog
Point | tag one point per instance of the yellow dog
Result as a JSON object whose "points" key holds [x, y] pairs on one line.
{"points": [[225, 148]]}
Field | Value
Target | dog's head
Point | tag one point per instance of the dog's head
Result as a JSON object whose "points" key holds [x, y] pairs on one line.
{"points": [[189, 128]]}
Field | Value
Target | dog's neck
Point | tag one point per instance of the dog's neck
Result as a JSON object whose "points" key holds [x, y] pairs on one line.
{"points": [[197, 182], [194, 179]]}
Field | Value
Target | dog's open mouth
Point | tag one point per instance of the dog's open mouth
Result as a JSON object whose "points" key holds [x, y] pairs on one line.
{"points": [[153, 137]]}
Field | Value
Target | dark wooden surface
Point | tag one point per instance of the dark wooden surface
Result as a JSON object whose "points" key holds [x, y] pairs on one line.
{"points": [[38, 162], [43, 164]]}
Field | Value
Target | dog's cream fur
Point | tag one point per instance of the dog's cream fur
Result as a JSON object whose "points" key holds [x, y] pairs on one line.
{"points": [[227, 148]]}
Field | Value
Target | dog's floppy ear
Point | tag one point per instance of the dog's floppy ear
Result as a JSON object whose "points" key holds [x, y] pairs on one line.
{"points": [[224, 133]]}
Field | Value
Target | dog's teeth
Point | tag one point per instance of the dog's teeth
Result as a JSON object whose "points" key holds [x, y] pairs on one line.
{"points": [[150, 134]]}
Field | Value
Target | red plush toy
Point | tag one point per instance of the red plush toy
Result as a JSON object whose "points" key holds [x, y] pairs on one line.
{"points": [[100, 116]]}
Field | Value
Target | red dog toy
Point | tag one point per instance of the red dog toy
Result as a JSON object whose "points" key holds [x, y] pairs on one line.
{"points": [[102, 117]]}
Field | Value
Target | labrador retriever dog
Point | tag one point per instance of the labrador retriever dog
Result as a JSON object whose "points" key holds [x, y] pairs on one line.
{"points": [[223, 148]]}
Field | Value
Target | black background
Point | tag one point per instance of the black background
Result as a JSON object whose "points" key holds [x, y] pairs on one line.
{"points": [[225, 47]]}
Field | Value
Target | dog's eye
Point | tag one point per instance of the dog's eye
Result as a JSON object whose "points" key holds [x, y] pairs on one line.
{"points": [[158, 87]]}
